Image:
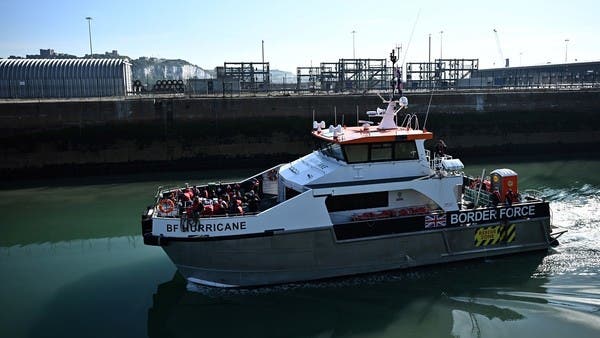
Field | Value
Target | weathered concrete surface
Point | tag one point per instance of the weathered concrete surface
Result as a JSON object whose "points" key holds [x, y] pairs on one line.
{"points": [[57, 137], [29, 114]]}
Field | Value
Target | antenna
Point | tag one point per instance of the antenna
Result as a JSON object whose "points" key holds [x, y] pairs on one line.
{"points": [[393, 58], [335, 115], [411, 36], [429, 105]]}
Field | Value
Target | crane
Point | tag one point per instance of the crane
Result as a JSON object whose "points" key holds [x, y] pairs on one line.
{"points": [[498, 45]]}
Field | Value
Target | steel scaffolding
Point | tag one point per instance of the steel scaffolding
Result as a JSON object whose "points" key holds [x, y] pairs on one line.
{"points": [[308, 79], [252, 76], [442, 73], [351, 75]]}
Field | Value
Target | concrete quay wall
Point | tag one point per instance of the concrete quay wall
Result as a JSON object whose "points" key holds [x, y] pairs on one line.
{"points": [[78, 137]]}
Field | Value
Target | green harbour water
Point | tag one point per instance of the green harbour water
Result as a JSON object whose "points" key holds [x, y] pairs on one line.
{"points": [[73, 264]]}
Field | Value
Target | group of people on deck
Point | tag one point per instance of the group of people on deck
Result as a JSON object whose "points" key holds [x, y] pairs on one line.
{"points": [[204, 201], [509, 198]]}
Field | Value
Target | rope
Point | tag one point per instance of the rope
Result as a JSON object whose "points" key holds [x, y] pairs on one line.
{"points": [[428, 106]]}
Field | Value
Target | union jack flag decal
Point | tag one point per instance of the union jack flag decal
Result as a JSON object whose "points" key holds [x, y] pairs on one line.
{"points": [[435, 221]]}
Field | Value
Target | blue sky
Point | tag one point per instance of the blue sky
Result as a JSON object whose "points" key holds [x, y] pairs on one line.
{"points": [[296, 33]]}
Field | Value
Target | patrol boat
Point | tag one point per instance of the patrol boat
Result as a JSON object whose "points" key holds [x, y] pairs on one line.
{"points": [[370, 198]]}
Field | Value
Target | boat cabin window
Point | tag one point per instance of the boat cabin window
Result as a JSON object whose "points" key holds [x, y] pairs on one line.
{"points": [[381, 152], [357, 201], [289, 193], [356, 153], [405, 151], [375, 152], [333, 150]]}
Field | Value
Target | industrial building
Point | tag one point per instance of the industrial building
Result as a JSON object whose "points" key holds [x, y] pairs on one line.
{"points": [[440, 74], [234, 78], [251, 76], [64, 78], [346, 75], [213, 86], [465, 73], [580, 74]]}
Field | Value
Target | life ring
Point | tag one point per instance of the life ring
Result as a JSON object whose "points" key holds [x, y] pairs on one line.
{"points": [[166, 206]]}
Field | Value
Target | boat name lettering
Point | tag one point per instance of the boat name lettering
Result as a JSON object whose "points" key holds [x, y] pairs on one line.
{"points": [[196, 226], [491, 215]]}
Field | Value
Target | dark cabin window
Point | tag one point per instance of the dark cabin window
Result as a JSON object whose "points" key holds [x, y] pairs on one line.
{"points": [[381, 152], [289, 193], [333, 150], [356, 153], [357, 201], [377, 152], [405, 151]]}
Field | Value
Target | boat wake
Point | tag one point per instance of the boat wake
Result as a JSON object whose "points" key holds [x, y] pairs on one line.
{"points": [[575, 209]]}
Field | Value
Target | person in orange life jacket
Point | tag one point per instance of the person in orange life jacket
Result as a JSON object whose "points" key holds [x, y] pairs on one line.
{"points": [[510, 197], [224, 205], [495, 197], [487, 185], [208, 210], [475, 183], [195, 207], [216, 207], [239, 209]]}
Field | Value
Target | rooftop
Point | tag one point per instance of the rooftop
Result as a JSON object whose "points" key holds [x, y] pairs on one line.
{"points": [[370, 134]]}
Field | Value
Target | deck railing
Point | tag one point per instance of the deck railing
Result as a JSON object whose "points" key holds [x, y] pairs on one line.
{"points": [[484, 198], [435, 163]]}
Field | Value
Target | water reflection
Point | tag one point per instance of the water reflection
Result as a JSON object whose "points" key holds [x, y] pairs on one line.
{"points": [[426, 302], [80, 288], [75, 266]]}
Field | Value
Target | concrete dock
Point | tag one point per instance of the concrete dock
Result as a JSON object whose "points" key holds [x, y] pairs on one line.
{"points": [[85, 136]]}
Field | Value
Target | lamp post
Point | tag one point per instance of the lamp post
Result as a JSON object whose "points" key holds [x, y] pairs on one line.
{"points": [[89, 20], [566, 48], [353, 46], [520, 59], [429, 59], [441, 38], [429, 64]]}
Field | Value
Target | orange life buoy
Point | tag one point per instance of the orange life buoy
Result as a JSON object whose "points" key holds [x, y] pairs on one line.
{"points": [[166, 206]]}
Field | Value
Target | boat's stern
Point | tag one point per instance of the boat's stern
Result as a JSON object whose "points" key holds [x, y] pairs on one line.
{"points": [[149, 237]]}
